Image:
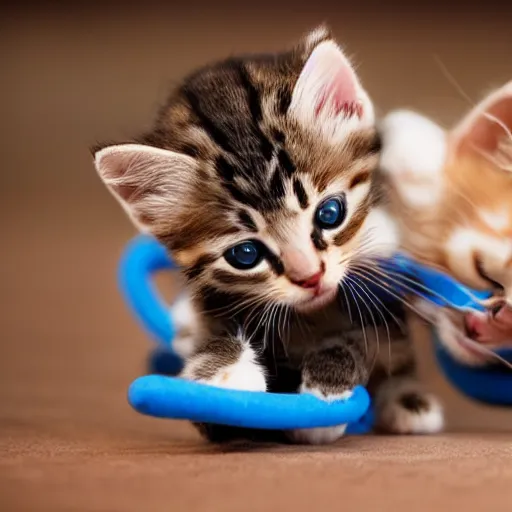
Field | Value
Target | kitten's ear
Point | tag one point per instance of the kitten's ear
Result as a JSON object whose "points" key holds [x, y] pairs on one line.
{"points": [[149, 182], [328, 95], [487, 126]]}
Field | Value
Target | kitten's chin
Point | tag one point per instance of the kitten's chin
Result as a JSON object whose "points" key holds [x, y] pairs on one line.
{"points": [[316, 302]]}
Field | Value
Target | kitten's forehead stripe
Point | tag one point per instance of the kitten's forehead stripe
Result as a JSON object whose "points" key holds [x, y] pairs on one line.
{"points": [[277, 188], [247, 221], [253, 95], [254, 101], [285, 162], [217, 134], [300, 192]]}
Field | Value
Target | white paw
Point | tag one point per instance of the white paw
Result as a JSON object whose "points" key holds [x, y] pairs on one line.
{"points": [[428, 418], [413, 156], [321, 435], [326, 435], [244, 375]]}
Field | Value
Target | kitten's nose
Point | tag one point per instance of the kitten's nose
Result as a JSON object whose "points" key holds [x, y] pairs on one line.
{"points": [[303, 267], [310, 282]]}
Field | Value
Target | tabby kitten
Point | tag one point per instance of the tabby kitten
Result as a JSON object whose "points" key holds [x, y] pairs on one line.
{"points": [[451, 195], [257, 176]]}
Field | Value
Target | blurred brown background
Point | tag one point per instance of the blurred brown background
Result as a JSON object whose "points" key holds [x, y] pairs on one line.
{"points": [[72, 75]]}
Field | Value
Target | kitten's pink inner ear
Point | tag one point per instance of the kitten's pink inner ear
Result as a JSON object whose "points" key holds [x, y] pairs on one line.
{"points": [[328, 86], [487, 124], [340, 94]]}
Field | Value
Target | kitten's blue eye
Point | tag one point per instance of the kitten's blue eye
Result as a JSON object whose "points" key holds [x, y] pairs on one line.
{"points": [[245, 255], [331, 213]]}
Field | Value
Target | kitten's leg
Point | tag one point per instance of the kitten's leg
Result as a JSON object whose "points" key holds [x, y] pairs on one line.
{"points": [[227, 362], [330, 373], [402, 405]]}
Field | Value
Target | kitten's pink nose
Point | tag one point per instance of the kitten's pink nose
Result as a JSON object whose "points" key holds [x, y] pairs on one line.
{"points": [[312, 281], [303, 267]]}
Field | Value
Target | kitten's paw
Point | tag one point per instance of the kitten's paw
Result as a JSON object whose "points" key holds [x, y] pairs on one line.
{"points": [[244, 375], [241, 376], [323, 435], [409, 411], [413, 156]]}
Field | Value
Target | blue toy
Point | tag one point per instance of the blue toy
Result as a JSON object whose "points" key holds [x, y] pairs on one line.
{"points": [[171, 397]]}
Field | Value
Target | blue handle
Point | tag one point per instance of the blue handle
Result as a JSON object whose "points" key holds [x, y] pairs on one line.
{"points": [[143, 257], [435, 286], [167, 397]]}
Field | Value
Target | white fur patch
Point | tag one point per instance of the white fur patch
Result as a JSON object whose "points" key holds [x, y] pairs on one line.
{"points": [[413, 155], [394, 417], [402, 421], [321, 435], [245, 375]]}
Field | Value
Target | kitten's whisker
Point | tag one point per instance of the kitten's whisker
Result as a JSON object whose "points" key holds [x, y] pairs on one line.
{"points": [[360, 284], [456, 85], [389, 291], [369, 293], [360, 317], [261, 321], [383, 305], [402, 281], [237, 306], [347, 303], [377, 340]]}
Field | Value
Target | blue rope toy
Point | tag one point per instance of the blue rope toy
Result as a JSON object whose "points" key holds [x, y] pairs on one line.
{"points": [[171, 397]]}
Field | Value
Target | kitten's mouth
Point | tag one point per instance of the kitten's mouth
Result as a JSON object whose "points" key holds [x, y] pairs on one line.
{"points": [[321, 298], [492, 328]]}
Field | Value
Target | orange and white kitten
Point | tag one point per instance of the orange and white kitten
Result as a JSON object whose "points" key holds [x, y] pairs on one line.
{"points": [[451, 194]]}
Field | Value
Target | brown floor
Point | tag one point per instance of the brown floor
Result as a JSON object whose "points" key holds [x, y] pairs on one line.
{"points": [[69, 349]]}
